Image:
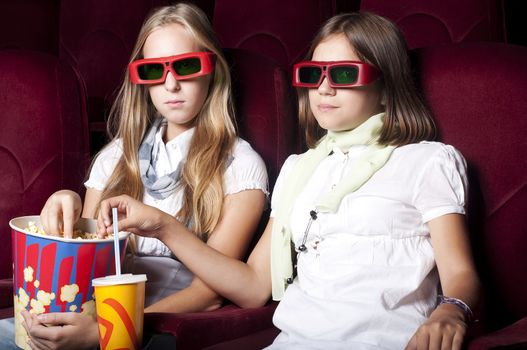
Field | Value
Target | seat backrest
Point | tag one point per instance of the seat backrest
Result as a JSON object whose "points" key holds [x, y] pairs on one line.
{"points": [[428, 23], [280, 30], [265, 113], [30, 25], [265, 107], [477, 95], [98, 41], [43, 138]]}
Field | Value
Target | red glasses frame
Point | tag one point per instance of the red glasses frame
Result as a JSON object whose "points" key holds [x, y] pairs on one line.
{"points": [[207, 61], [366, 73]]}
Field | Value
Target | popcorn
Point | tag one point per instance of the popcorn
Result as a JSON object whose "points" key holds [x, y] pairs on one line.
{"points": [[77, 234], [36, 283], [28, 274], [68, 292], [73, 308]]}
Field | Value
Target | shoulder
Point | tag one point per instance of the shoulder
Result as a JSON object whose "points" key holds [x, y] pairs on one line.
{"points": [[104, 165], [426, 152], [243, 150], [244, 156], [246, 169], [113, 150]]}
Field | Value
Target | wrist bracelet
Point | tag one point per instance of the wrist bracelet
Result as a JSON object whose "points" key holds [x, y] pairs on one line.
{"points": [[459, 303]]}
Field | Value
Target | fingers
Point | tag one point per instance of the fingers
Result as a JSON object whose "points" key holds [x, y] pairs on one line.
{"points": [[457, 342], [57, 318], [61, 212], [68, 217], [437, 336], [105, 219], [412, 344]]}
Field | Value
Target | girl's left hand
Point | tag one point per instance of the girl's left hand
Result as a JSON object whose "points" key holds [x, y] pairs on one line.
{"points": [[445, 329], [61, 330]]}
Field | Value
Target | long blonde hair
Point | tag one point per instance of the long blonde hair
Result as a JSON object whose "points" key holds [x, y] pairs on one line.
{"points": [[215, 132], [380, 43]]}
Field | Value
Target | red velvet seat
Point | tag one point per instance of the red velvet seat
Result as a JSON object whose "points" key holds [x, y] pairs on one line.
{"points": [[43, 142], [477, 95], [428, 23], [30, 25], [280, 30]]}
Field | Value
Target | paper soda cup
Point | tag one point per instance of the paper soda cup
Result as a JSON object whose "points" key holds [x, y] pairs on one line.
{"points": [[119, 302], [53, 274]]}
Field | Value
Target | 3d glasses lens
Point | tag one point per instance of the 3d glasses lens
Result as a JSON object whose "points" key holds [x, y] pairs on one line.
{"points": [[344, 75], [151, 71], [187, 66], [309, 75]]}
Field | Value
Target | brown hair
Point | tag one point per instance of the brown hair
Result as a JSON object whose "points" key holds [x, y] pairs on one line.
{"points": [[212, 142], [378, 42]]}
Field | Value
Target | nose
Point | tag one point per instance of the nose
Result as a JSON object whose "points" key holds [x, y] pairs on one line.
{"points": [[171, 83], [324, 88]]}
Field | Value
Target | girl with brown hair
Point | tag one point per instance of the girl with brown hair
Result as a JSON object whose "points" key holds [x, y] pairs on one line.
{"points": [[374, 210]]}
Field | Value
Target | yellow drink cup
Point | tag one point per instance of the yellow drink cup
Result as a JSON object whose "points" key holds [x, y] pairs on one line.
{"points": [[119, 302]]}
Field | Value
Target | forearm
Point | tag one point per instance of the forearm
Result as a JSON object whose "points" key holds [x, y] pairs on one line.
{"points": [[229, 277], [188, 300], [464, 286]]}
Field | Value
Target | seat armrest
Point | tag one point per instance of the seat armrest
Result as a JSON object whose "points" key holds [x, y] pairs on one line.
{"points": [[514, 335], [200, 329]]}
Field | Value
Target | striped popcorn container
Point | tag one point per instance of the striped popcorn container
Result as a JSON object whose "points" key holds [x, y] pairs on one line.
{"points": [[54, 274]]}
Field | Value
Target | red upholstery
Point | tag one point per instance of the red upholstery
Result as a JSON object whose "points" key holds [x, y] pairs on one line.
{"points": [[97, 37], [43, 140], [264, 104], [428, 23], [477, 95], [30, 24], [281, 30]]}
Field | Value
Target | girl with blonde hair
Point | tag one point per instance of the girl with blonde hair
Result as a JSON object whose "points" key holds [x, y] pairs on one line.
{"points": [[374, 210], [175, 148]]}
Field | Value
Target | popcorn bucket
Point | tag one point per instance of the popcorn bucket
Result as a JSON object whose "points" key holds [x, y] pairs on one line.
{"points": [[54, 274]]}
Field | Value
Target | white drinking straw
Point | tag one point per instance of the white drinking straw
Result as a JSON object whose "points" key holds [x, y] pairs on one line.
{"points": [[116, 243]]}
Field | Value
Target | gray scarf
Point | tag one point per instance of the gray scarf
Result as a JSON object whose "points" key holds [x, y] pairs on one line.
{"points": [[157, 187]]}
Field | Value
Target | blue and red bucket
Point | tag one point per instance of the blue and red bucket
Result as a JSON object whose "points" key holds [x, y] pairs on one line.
{"points": [[54, 274]]}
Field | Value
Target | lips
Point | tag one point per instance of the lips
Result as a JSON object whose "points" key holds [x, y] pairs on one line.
{"points": [[175, 103], [324, 107]]}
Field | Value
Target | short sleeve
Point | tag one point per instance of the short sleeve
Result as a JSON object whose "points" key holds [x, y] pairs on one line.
{"points": [[247, 171], [104, 165], [441, 186], [281, 179]]}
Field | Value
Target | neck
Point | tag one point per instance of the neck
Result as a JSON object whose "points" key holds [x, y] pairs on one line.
{"points": [[173, 130]]}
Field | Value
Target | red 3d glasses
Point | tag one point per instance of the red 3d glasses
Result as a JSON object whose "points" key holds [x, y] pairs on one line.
{"points": [[186, 66], [340, 74]]}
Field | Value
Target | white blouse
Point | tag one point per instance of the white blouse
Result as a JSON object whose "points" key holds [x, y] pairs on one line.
{"points": [[368, 278], [165, 274]]}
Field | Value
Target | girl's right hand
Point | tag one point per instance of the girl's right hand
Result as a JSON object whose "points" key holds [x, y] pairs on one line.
{"points": [[134, 216], [60, 213]]}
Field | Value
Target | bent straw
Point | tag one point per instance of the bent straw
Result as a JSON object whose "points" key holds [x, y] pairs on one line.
{"points": [[116, 243]]}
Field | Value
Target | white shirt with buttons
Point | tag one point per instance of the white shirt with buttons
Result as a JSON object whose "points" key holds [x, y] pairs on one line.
{"points": [[368, 278]]}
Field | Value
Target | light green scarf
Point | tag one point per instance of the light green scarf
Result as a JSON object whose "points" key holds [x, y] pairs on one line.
{"points": [[373, 158]]}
